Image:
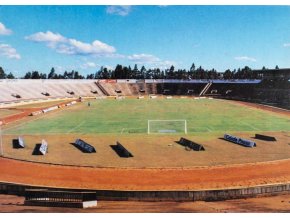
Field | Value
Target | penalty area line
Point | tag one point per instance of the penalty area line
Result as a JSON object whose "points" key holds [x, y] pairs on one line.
{"points": [[250, 125], [75, 127]]}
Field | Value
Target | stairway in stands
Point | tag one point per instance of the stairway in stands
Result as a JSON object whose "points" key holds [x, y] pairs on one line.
{"points": [[205, 89], [102, 89]]}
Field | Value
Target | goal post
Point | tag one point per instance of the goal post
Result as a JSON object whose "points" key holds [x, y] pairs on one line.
{"points": [[166, 126]]}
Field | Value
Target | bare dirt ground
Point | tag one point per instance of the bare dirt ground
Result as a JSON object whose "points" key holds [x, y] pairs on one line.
{"points": [[273, 204], [150, 151]]}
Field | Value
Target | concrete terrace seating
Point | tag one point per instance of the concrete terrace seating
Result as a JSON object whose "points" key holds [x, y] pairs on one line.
{"points": [[125, 88], [151, 88], [34, 89], [109, 87], [134, 88]]}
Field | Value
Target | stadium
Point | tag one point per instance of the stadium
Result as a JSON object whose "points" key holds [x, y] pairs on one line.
{"points": [[147, 139]]}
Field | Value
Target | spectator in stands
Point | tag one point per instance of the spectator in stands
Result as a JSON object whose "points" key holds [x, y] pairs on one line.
{"points": [[89, 104]]}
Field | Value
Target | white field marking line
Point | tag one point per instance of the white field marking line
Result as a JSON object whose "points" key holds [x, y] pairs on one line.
{"points": [[250, 125], [208, 129], [114, 121], [76, 127]]}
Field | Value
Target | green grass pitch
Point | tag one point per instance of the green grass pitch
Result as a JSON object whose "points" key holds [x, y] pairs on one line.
{"points": [[130, 116]]}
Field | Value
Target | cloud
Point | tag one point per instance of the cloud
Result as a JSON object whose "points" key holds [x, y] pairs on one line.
{"points": [[9, 52], [245, 58], [286, 44], [88, 65], [109, 67], [69, 46], [119, 10], [165, 64], [4, 30], [143, 58], [46, 37], [151, 60]]}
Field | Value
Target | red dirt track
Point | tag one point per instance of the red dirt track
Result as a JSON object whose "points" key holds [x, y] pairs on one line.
{"points": [[218, 177]]}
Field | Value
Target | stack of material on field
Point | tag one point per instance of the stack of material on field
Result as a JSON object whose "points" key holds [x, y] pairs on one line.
{"points": [[121, 150], [240, 141], [18, 143], [71, 103], [84, 146], [50, 109], [36, 113], [190, 144], [41, 149], [265, 137]]}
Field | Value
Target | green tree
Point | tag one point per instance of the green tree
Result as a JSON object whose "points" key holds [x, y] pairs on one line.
{"points": [[52, 74], [192, 68], [43, 76], [142, 73], [106, 73], [90, 76], [76, 75], [130, 73], [171, 73], [27, 75], [135, 72], [118, 72], [10, 76], [2, 74], [35, 75], [125, 73], [228, 74]]}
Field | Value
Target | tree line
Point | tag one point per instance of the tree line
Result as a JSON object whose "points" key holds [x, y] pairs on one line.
{"points": [[126, 72]]}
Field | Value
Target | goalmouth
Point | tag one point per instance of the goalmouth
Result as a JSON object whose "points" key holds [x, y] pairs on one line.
{"points": [[166, 126]]}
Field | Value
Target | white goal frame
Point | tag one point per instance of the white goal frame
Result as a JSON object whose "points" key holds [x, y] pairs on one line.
{"points": [[148, 124]]}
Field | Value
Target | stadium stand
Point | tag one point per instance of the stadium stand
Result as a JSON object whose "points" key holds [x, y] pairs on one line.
{"points": [[273, 89], [45, 89], [135, 90]]}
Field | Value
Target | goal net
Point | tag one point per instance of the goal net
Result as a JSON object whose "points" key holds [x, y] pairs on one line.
{"points": [[167, 126]]}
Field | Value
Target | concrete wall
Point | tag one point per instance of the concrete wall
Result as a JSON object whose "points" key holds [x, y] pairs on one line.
{"points": [[202, 195]]}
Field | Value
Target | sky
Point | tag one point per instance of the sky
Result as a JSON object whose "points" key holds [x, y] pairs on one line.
{"points": [[84, 38]]}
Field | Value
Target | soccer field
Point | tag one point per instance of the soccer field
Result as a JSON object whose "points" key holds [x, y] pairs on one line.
{"points": [[130, 116]]}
